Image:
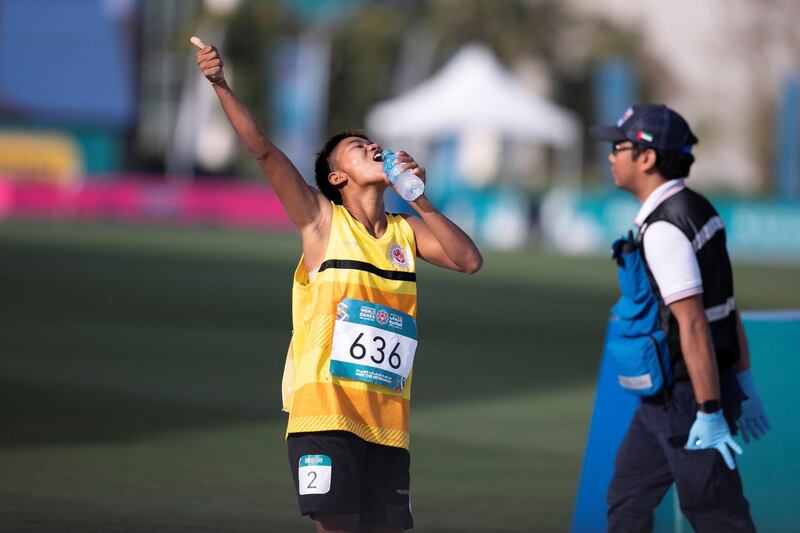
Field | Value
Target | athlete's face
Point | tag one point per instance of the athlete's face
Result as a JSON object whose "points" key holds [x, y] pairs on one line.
{"points": [[359, 159]]}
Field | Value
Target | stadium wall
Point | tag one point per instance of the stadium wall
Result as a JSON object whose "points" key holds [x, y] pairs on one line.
{"points": [[588, 222], [137, 199]]}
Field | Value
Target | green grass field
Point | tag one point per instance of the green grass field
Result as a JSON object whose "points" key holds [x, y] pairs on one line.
{"points": [[140, 381]]}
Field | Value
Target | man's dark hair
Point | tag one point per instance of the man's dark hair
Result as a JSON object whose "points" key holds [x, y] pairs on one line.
{"points": [[322, 165], [670, 164]]}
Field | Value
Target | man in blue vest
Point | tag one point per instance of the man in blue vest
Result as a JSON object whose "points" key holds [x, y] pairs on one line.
{"points": [[683, 433]]}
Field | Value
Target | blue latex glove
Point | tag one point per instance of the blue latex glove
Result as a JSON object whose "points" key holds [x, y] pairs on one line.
{"points": [[753, 422], [710, 430]]}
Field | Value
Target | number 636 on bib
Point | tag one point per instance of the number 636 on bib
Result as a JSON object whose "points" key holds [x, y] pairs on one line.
{"points": [[373, 343]]}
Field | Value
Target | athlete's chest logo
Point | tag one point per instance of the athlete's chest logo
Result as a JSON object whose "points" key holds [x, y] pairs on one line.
{"points": [[398, 256]]}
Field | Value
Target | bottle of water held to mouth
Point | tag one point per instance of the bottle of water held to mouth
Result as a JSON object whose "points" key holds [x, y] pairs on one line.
{"points": [[409, 186]]}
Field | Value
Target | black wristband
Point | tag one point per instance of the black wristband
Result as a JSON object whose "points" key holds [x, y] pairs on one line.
{"points": [[709, 406]]}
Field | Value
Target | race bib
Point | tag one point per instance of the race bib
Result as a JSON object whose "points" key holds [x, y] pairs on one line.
{"points": [[373, 343], [314, 474]]}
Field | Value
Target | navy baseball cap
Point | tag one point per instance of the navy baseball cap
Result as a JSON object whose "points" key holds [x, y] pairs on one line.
{"points": [[650, 125]]}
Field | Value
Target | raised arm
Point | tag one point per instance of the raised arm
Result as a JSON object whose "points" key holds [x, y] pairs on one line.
{"points": [[305, 205], [439, 240]]}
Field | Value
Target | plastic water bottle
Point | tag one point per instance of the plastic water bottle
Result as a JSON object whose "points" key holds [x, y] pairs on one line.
{"points": [[407, 184]]}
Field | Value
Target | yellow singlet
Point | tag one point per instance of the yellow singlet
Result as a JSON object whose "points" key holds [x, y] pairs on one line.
{"points": [[356, 265]]}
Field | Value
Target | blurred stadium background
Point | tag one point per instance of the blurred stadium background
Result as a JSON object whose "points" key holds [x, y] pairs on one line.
{"points": [[146, 267]]}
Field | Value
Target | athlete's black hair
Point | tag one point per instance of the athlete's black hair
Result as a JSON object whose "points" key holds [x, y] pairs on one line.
{"points": [[322, 165]]}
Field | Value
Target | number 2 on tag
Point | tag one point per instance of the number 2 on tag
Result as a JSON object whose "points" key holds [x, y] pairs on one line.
{"points": [[314, 474]]}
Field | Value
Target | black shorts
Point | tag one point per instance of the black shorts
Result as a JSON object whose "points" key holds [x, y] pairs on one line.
{"points": [[336, 472]]}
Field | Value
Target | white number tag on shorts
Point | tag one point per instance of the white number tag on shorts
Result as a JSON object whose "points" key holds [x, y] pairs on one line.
{"points": [[373, 343], [314, 474]]}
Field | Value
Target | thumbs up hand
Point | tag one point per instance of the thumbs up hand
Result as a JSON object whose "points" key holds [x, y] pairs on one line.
{"points": [[209, 61]]}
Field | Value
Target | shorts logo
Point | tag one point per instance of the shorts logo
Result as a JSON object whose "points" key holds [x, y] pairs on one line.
{"points": [[398, 256], [314, 474]]}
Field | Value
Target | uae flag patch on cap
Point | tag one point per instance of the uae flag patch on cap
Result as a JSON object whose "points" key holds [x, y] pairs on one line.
{"points": [[644, 136]]}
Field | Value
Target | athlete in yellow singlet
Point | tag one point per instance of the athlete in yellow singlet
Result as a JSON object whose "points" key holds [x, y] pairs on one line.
{"points": [[348, 370]]}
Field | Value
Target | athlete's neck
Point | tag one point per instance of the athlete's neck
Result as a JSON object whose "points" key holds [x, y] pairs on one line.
{"points": [[370, 212]]}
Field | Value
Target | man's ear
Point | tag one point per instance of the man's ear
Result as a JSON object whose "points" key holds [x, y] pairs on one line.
{"points": [[648, 160], [337, 178]]}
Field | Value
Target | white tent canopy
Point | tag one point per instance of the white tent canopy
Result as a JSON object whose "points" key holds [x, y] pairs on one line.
{"points": [[474, 92]]}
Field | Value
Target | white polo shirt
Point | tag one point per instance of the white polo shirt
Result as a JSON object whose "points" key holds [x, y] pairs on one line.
{"points": [[670, 254]]}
